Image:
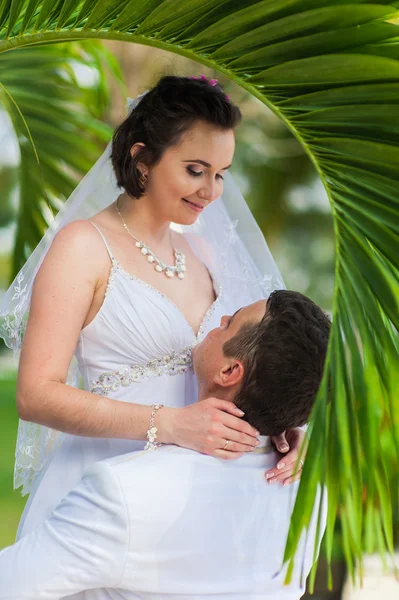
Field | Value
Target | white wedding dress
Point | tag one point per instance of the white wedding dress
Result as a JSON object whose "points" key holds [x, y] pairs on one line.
{"points": [[136, 349]]}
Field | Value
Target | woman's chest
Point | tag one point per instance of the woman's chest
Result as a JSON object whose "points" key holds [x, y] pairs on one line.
{"points": [[137, 323], [192, 295]]}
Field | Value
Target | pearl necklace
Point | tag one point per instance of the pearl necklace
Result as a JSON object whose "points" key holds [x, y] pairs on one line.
{"points": [[178, 268]]}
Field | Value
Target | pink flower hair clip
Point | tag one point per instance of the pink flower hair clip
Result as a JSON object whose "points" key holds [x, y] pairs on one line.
{"points": [[211, 82]]}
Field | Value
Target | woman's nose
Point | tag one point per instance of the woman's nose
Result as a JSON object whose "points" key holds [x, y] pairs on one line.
{"points": [[211, 191]]}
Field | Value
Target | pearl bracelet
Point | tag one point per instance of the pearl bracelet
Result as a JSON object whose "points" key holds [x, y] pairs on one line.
{"points": [[152, 430]]}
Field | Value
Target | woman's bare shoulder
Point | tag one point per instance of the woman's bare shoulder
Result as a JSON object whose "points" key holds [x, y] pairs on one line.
{"points": [[77, 233], [78, 237], [79, 245]]}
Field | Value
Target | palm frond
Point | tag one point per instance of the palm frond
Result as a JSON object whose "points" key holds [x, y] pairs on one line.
{"points": [[330, 71], [49, 111]]}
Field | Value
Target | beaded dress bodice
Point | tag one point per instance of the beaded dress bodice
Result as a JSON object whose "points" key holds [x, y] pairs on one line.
{"points": [[137, 333]]}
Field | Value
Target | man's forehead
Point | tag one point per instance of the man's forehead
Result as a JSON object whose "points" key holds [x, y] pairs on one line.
{"points": [[255, 310]]}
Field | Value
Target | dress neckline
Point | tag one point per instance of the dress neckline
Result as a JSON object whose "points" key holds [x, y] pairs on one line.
{"points": [[118, 267]]}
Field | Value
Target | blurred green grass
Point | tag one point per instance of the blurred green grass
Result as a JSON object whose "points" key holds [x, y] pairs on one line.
{"points": [[11, 502]]}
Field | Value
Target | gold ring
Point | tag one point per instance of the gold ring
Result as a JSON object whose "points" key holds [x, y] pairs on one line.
{"points": [[226, 444]]}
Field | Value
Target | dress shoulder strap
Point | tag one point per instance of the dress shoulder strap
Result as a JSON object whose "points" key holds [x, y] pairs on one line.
{"points": [[104, 239]]}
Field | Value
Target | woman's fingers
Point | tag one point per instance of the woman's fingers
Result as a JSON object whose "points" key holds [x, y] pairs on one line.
{"points": [[206, 427], [231, 416], [280, 441], [226, 444], [226, 406], [284, 473], [293, 478], [243, 439], [235, 446], [284, 464], [288, 459], [226, 455], [294, 438]]}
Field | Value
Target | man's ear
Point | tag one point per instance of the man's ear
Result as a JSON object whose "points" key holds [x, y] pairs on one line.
{"points": [[232, 373]]}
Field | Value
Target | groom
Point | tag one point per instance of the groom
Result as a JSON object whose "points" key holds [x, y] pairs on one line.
{"points": [[180, 525]]}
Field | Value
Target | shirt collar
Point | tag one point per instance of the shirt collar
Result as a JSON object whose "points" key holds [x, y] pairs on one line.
{"points": [[265, 446]]}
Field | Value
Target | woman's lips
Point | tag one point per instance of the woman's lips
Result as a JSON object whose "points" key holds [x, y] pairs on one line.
{"points": [[197, 207]]}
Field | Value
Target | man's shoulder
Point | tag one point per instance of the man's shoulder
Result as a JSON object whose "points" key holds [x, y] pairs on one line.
{"points": [[145, 459], [174, 466], [144, 479], [168, 454], [168, 466]]}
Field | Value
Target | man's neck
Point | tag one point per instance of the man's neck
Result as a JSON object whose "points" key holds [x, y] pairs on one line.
{"points": [[223, 394]]}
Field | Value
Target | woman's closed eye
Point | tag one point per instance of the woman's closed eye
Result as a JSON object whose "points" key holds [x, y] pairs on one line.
{"points": [[199, 173]]}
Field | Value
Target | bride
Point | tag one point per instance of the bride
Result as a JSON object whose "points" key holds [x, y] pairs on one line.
{"points": [[141, 262]]}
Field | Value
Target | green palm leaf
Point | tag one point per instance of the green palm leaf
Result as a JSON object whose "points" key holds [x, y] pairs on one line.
{"points": [[48, 107], [330, 71]]}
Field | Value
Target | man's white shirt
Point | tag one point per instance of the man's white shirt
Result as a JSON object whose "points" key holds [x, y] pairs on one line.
{"points": [[170, 524]]}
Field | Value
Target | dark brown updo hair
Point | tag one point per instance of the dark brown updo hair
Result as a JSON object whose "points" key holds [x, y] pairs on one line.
{"points": [[161, 118]]}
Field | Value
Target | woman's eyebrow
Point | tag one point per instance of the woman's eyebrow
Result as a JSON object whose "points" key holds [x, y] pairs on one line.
{"points": [[202, 162]]}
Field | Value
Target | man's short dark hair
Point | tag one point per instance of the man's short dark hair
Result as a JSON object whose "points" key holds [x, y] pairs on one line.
{"points": [[283, 358]]}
